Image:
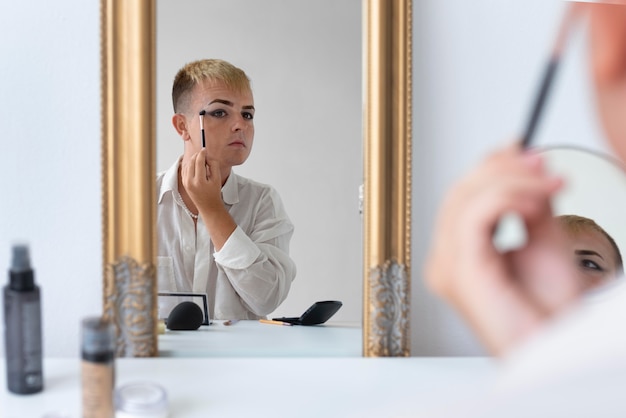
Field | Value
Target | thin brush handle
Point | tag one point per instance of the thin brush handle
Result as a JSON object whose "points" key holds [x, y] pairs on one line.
{"points": [[540, 102], [202, 113], [567, 23]]}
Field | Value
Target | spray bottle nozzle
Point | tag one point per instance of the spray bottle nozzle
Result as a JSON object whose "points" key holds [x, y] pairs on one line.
{"points": [[21, 258], [21, 277]]}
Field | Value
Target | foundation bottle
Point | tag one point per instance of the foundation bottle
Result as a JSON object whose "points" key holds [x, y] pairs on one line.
{"points": [[98, 368]]}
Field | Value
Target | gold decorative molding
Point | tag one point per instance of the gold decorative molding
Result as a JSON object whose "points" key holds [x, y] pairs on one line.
{"points": [[387, 210], [129, 162]]}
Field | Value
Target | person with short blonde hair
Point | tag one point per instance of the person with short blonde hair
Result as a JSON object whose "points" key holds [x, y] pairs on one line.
{"points": [[564, 354], [212, 70], [597, 257], [534, 283], [219, 233]]}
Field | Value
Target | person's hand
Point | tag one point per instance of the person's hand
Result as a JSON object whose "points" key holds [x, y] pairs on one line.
{"points": [[202, 180], [503, 296]]}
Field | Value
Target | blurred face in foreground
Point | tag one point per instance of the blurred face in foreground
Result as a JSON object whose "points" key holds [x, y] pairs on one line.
{"points": [[608, 64]]}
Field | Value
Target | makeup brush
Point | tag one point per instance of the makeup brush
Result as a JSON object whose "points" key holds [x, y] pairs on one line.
{"points": [[567, 23], [510, 233], [202, 113]]}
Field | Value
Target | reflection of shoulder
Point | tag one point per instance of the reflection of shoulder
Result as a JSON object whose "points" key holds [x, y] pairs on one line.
{"points": [[255, 189], [245, 182], [258, 203]]}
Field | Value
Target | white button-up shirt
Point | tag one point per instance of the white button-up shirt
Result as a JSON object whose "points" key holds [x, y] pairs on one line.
{"points": [[252, 273]]}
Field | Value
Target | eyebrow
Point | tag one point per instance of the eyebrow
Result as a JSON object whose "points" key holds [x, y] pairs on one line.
{"points": [[229, 103], [588, 252]]}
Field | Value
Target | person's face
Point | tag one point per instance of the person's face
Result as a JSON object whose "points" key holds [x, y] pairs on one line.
{"points": [[594, 258], [608, 61], [228, 123]]}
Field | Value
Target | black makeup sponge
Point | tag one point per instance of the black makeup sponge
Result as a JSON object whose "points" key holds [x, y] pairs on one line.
{"points": [[186, 316]]}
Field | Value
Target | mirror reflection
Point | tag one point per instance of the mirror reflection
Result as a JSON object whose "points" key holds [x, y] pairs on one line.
{"points": [[304, 62], [591, 210], [596, 258], [593, 232], [592, 192], [220, 233]]}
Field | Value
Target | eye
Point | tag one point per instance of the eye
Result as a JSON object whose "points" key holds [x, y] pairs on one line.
{"points": [[247, 115], [218, 113], [590, 265]]}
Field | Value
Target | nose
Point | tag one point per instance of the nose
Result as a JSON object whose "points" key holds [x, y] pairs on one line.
{"points": [[240, 123]]}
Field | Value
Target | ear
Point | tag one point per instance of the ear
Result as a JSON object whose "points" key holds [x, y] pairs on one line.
{"points": [[180, 124]]}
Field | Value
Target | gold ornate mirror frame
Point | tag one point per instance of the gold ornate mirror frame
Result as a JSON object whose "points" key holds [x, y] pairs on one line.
{"points": [[129, 169]]}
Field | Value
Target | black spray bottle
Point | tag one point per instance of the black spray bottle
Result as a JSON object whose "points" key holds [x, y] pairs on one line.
{"points": [[22, 326]]}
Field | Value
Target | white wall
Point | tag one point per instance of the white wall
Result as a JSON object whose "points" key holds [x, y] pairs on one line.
{"points": [[477, 69], [304, 60], [50, 157]]}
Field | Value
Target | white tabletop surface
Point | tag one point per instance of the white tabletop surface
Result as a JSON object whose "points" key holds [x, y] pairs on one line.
{"points": [[255, 339], [271, 387]]}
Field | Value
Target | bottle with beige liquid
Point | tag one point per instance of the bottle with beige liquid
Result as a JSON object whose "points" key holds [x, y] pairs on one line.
{"points": [[98, 368]]}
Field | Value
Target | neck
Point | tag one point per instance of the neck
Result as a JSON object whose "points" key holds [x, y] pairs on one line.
{"points": [[225, 174]]}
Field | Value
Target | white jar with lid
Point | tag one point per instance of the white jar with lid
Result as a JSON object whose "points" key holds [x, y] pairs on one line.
{"points": [[141, 400]]}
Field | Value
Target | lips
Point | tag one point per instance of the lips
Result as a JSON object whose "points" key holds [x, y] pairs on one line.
{"points": [[237, 144]]}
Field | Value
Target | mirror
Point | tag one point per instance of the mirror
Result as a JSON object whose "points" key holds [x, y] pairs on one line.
{"points": [[304, 62], [589, 208], [584, 189], [129, 166]]}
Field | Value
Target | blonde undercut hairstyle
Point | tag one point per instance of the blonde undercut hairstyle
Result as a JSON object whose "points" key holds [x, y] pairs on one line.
{"points": [[574, 224], [214, 70]]}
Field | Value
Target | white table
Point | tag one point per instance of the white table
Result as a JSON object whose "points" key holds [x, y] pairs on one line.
{"points": [[271, 387], [255, 339]]}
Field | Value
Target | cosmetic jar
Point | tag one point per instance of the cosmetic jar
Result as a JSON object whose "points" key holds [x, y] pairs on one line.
{"points": [[141, 400]]}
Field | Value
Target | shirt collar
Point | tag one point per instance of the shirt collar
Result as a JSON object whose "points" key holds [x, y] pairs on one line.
{"points": [[230, 192], [170, 180]]}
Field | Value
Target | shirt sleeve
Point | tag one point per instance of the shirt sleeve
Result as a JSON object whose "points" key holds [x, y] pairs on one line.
{"points": [[257, 263], [239, 252]]}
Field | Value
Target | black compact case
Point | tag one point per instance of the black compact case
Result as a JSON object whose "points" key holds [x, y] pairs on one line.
{"points": [[318, 313]]}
